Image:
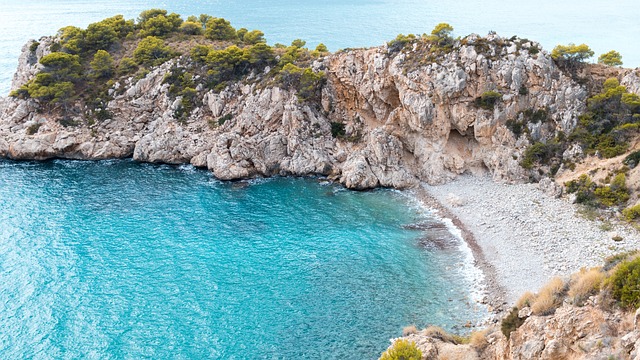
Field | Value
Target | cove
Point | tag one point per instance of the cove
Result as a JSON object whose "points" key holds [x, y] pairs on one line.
{"points": [[117, 259]]}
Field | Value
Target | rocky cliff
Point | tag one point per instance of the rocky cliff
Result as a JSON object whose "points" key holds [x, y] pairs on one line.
{"points": [[407, 118], [572, 333]]}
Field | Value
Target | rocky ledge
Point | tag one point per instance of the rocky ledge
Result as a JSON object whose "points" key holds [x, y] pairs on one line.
{"points": [[404, 121]]}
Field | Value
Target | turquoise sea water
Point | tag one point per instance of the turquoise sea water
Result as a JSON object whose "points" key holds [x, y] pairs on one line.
{"points": [[116, 259], [604, 25]]}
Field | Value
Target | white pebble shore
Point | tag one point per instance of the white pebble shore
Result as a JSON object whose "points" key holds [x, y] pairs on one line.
{"points": [[528, 236]]}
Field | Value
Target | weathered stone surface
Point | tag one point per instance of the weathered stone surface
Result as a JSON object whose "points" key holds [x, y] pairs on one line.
{"points": [[576, 333], [404, 123]]}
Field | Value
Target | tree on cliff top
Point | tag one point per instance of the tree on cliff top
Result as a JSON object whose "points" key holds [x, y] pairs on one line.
{"points": [[611, 58], [572, 53], [220, 29]]}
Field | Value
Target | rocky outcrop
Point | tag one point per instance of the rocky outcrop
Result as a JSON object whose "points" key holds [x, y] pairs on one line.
{"points": [[572, 333], [405, 122], [28, 62]]}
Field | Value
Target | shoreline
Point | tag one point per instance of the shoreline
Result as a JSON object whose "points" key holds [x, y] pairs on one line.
{"points": [[495, 293], [521, 237]]}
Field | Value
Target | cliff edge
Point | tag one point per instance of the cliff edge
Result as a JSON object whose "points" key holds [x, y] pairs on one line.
{"points": [[402, 117]]}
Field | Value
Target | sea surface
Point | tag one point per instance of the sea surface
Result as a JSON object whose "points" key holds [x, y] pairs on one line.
{"points": [[604, 25], [122, 260]]}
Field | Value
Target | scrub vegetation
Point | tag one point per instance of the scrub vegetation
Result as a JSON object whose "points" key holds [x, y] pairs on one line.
{"points": [[212, 54]]}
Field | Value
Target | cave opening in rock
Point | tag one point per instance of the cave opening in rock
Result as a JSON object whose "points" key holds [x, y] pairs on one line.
{"points": [[465, 152]]}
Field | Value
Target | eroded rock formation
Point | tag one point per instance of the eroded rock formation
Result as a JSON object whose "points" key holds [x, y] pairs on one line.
{"points": [[404, 122]]}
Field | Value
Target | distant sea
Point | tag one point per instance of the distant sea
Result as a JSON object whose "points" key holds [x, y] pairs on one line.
{"points": [[604, 25]]}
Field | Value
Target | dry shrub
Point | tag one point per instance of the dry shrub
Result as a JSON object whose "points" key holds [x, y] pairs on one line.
{"points": [[549, 297], [478, 340], [409, 330], [584, 284], [525, 300], [440, 334]]}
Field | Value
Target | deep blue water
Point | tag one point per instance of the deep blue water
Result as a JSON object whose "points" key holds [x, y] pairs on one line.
{"points": [[604, 25], [116, 259]]}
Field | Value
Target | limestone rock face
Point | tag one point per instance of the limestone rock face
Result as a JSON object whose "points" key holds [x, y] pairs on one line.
{"points": [[29, 61], [572, 333], [405, 120]]}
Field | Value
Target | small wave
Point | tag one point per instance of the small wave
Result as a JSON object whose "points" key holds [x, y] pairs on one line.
{"points": [[188, 168], [472, 274]]}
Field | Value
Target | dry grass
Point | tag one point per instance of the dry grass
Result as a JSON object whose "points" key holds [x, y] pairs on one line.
{"points": [[478, 340], [409, 330], [441, 334], [549, 297], [584, 284], [525, 300]]}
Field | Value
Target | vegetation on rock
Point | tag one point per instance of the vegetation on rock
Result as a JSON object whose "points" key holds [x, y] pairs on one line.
{"points": [[511, 322], [402, 350], [217, 54], [589, 193], [625, 283], [611, 58], [488, 99], [572, 52]]}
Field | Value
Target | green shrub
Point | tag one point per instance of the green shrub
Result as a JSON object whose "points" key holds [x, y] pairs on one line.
{"points": [[322, 48], [540, 153], [400, 42], [152, 51], [584, 189], [191, 28], [337, 129], [625, 284], [402, 350], [441, 37], [535, 116], [253, 37], [31, 130], [511, 323], [200, 52], [631, 213], [614, 260], [102, 34], [609, 122], [127, 66], [223, 119], [517, 127], [611, 58], [488, 100], [102, 65], [34, 46], [614, 194], [589, 193], [181, 84], [159, 24], [307, 83], [523, 90], [55, 83], [220, 29]]}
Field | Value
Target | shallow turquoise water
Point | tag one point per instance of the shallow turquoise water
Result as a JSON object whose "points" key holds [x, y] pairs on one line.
{"points": [[604, 25], [116, 259]]}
